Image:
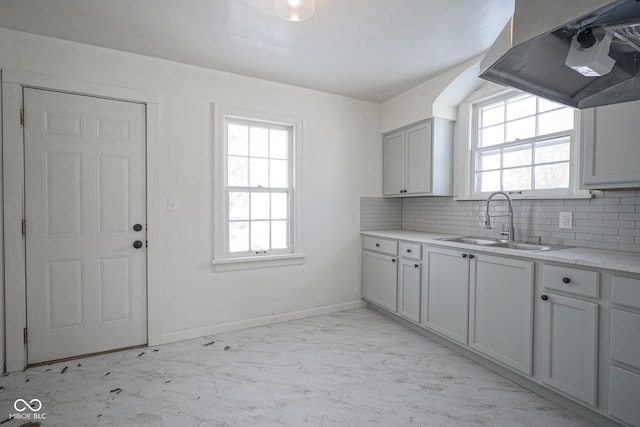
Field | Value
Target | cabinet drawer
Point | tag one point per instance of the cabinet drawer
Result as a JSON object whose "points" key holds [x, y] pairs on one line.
{"points": [[625, 346], [410, 250], [571, 280], [624, 388], [625, 291], [384, 246]]}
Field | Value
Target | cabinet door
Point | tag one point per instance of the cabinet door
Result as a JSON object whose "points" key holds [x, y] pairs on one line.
{"points": [[611, 146], [419, 159], [409, 289], [379, 279], [624, 389], [447, 293], [393, 164], [569, 339], [501, 310]]}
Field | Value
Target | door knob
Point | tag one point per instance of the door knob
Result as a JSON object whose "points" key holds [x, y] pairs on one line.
{"points": [[137, 244], [137, 227]]}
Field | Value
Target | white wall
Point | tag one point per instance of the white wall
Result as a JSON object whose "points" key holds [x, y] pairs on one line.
{"points": [[437, 97], [342, 161]]}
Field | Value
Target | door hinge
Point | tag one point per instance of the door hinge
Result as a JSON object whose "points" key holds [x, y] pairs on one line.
{"points": [[24, 227], [25, 335], [22, 117]]}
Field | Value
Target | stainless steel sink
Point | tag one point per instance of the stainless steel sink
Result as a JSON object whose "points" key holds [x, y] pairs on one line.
{"points": [[480, 241], [524, 246], [497, 243]]}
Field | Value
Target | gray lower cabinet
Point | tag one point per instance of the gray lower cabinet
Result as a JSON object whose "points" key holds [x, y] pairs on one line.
{"points": [[569, 346], [624, 368], [379, 281], [501, 310], [446, 292], [492, 304], [409, 289], [569, 331]]}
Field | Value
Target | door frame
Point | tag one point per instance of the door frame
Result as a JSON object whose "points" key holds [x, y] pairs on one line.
{"points": [[12, 211]]}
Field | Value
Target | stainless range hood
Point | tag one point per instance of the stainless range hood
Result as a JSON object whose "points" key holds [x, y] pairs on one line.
{"points": [[531, 51]]}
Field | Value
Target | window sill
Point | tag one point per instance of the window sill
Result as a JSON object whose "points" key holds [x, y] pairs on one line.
{"points": [[250, 263], [530, 197]]}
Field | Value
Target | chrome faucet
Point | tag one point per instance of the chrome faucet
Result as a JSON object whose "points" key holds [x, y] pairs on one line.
{"points": [[487, 218]]}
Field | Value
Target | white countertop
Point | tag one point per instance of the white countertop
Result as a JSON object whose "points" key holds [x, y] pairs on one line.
{"points": [[597, 258]]}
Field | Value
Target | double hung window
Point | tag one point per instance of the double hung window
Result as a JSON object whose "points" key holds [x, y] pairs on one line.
{"points": [[522, 144], [258, 187]]}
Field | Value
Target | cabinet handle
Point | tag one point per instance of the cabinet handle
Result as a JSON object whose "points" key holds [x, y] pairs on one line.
{"points": [[416, 265], [377, 245], [393, 260], [464, 255], [471, 256], [408, 251], [544, 297], [566, 280]]}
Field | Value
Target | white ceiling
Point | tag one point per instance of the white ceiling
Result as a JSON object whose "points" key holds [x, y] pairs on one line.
{"points": [[367, 49]]}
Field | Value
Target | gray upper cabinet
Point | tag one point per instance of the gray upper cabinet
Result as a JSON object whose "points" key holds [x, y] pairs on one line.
{"points": [[611, 150], [418, 160]]}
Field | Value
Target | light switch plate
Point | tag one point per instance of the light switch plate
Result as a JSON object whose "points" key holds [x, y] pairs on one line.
{"points": [[566, 220], [172, 204]]}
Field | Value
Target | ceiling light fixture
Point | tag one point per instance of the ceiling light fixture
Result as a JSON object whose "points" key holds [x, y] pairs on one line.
{"points": [[294, 10]]}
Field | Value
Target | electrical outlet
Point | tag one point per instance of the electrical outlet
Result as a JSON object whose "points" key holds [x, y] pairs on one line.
{"points": [[566, 220]]}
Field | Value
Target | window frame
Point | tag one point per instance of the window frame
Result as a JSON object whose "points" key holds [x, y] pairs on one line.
{"points": [[223, 259], [466, 149]]}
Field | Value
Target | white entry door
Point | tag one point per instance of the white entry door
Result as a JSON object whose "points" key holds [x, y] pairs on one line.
{"points": [[85, 204]]}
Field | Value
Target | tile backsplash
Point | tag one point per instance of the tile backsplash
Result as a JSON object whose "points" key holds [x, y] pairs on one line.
{"points": [[377, 213], [610, 220]]}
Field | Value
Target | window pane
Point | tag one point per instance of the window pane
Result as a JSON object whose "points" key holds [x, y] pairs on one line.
{"points": [[260, 207], [259, 173], [552, 176], [279, 144], [516, 179], [521, 129], [278, 174], [488, 181], [488, 160], [260, 236], [546, 105], [279, 206], [517, 156], [238, 137], [521, 107], [555, 150], [491, 136], [492, 115], [259, 142], [237, 173], [279, 235], [555, 121], [239, 236], [238, 205]]}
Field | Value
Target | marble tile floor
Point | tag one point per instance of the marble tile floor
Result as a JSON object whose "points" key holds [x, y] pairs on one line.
{"points": [[347, 369]]}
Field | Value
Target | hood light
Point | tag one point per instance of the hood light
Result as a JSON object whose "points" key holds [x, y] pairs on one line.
{"points": [[590, 56]]}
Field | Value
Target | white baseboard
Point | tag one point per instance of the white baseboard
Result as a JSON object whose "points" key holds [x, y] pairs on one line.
{"points": [[258, 321]]}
